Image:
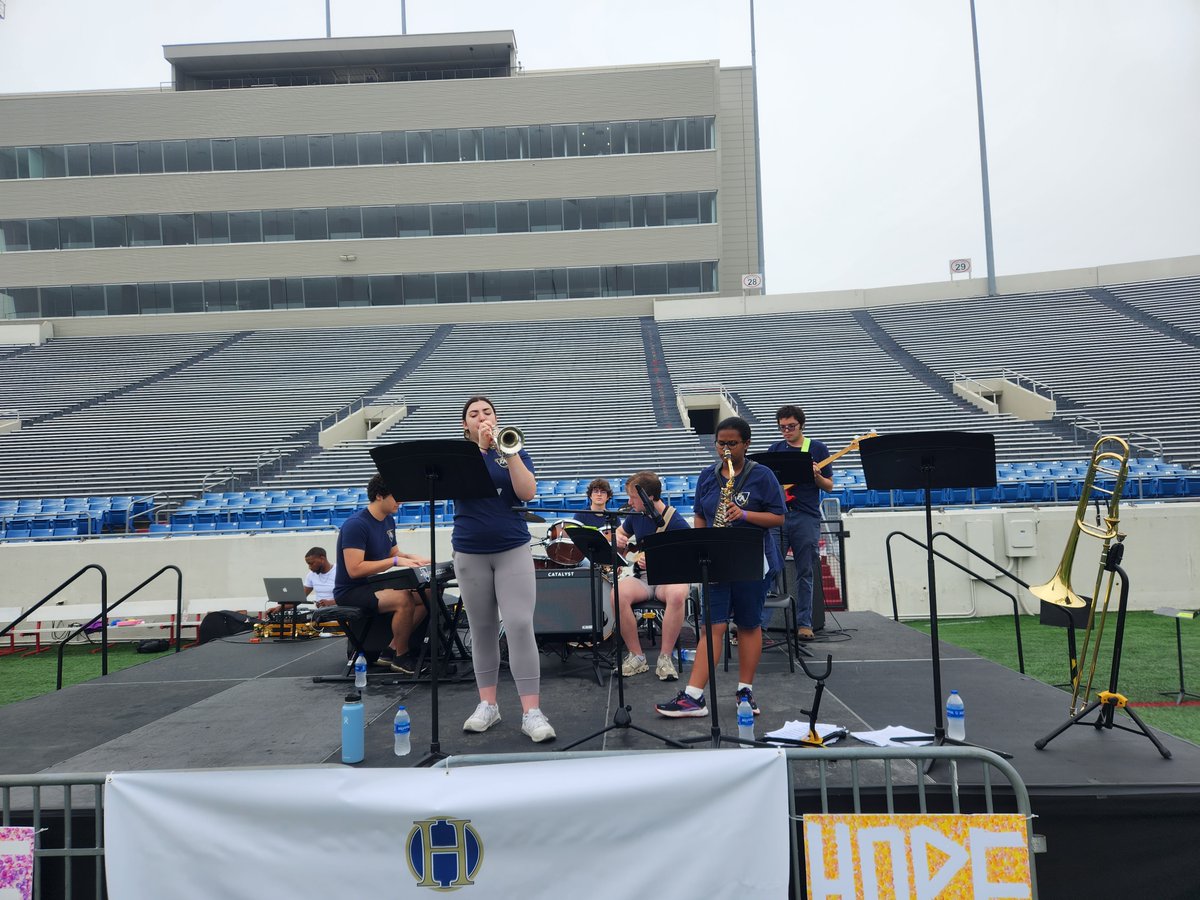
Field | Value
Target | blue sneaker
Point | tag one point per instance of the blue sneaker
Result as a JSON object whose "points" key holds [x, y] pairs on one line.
{"points": [[683, 706], [748, 695]]}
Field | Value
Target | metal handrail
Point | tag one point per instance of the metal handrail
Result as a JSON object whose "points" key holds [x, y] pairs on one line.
{"points": [[1016, 376], [1011, 596], [103, 618], [707, 387], [54, 593], [205, 484], [131, 516]]}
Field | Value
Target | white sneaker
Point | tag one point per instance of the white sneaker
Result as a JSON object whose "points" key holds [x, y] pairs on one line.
{"points": [[485, 716], [665, 670], [634, 665], [535, 724]]}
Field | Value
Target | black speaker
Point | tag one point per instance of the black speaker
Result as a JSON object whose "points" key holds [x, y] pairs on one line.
{"points": [[223, 624], [564, 604]]}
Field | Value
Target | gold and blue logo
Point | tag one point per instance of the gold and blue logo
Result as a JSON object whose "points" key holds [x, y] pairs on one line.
{"points": [[444, 853]]}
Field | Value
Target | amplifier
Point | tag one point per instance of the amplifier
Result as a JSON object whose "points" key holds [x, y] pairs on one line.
{"points": [[564, 604]]}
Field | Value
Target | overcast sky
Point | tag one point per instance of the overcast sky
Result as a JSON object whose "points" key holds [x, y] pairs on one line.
{"points": [[870, 141]]}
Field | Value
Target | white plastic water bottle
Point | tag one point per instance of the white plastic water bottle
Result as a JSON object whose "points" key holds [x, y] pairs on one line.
{"points": [[956, 718], [401, 727], [360, 672], [745, 716]]}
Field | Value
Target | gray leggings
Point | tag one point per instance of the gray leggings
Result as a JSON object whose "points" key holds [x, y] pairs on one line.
{"points": [[495, 585]]}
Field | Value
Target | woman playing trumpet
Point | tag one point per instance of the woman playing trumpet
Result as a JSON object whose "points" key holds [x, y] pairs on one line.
{"points": [[495, 575]]}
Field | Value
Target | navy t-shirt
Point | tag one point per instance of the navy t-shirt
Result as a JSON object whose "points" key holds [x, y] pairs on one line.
{"points": [[490, 525], [805, 498], [639, 526], [758, 491], [362, 531], [587, 517]]}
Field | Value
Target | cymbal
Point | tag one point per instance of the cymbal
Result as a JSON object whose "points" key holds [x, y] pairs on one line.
{"points": [[529, 516]]}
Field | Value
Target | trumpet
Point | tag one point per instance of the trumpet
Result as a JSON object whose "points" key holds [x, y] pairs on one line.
{"points": [[508, 441]]}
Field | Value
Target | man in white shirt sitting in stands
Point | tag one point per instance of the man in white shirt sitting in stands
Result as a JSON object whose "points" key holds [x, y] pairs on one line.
{"points": [[318, 583]]}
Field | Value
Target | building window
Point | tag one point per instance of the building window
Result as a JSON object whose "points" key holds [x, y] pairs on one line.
{"points": [[248, 153], [362, 290]]}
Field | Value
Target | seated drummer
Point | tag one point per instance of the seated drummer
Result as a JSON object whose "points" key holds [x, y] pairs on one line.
{"points": [[633, 588], [366, 546], [599, 492]]}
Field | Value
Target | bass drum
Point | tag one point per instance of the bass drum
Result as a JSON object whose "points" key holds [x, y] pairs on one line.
{"points": [[561, 549]]}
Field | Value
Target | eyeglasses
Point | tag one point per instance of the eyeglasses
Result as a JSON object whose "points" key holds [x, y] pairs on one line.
{"points": [[791, 427], [728, 443]]}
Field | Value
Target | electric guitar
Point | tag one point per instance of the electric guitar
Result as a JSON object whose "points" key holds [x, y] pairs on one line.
{"points": [[849, 448]]}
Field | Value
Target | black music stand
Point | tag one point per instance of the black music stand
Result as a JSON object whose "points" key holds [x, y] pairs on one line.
{"points": [[601, 552], [585, 538], [431, 471], [706, 555], [924, 460], [792, 467]]}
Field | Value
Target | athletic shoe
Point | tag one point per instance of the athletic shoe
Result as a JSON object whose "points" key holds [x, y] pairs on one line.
{"points": [[747, 694], [407, 665], [485, 716], [683, 706], [535, 724], [386, 658], [665, 670], [805, 634], [634, 665]]}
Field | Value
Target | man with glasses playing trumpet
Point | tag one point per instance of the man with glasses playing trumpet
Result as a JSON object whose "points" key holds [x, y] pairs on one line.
{"points": [[802, 524]]}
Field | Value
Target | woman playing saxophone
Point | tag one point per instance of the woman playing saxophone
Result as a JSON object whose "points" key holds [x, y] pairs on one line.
{"points": [[734, 492]]}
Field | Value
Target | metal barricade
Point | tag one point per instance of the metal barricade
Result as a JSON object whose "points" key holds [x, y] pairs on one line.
{"points": [[66, 811]]}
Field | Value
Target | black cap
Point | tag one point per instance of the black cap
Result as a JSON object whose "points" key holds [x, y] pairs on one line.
{"points": [[353, 697]]}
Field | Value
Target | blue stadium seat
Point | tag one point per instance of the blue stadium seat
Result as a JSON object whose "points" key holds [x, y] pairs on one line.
{"points": [[293, 522], [226, 526], [1039, 491], [183, 527], [66, 531], [250, 520], [160, 528], [205, 526]]}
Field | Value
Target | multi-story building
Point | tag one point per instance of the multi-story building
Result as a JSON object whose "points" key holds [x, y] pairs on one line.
{"points": [[376, 171]]}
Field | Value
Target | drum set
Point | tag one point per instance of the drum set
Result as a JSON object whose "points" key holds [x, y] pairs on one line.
{"points": [[556, 550]]}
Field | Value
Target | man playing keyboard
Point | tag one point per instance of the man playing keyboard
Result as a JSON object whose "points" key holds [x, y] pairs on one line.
{"points": [[367, 546]]}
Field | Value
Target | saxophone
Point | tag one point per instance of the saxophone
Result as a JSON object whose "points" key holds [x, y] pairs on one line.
{"points": [[719, 520]]}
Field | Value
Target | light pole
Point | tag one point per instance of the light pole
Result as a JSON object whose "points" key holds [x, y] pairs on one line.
{"points": [[762, 264], [983, 165]]}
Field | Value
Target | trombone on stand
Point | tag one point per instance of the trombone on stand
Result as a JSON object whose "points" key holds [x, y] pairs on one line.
{"points": [[1110, 460]]}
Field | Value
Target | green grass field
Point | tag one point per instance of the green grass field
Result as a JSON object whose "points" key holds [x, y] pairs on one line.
{"points": [[22, 677], [1148, 660]]}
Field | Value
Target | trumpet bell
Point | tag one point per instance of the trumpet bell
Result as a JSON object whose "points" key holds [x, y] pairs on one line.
{"points": [[509, 440], [1058, 592]]}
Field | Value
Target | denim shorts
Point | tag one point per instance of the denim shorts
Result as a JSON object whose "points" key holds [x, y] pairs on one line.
{"points": [[746, 598]]}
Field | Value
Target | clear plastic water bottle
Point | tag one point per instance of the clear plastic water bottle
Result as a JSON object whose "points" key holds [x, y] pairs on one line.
{"points": [[360, 672], [402, 727], [956, 719], [353, 724], [745, 716]]}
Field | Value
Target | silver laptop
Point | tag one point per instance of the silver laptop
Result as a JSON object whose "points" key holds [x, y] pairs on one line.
{"points": [[285, 590]]}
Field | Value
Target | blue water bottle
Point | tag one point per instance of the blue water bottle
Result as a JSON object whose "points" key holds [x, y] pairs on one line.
{"points": [[353, 723]]}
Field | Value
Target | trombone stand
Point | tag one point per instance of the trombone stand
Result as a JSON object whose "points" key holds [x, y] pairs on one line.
{"points": [[1108, 702]]}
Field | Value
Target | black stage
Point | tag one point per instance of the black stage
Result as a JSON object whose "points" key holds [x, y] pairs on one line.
{"points": [[234, 703]]}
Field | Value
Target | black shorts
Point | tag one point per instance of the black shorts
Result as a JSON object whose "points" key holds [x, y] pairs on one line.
{"points": [[360, 596]]}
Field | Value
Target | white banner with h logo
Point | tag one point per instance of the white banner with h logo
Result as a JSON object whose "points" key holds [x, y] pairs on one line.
{"points": [[698, 823]]}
